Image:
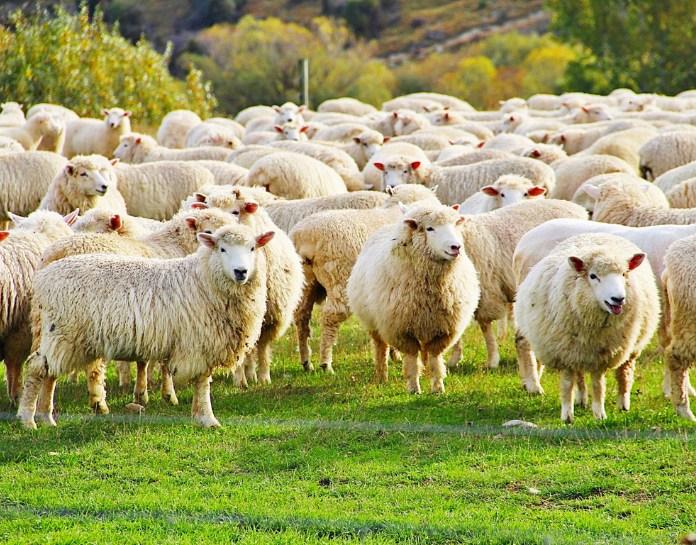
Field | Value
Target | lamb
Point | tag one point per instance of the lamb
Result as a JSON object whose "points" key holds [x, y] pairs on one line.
{"points": [[373, 176], [11, 115], [329, 243], [93, 136], [295, 176], [36, 170], [151, 328], [85, 182], [665, 152], [174, 127], [289, 113], [346, 105], [589, 306], [506, 190], [140, 148], [19, 256], [675, 176], [155, 190], [211, 134], [623, 144], [456, 184], [34, 129], [574, 171], [414, 288]]}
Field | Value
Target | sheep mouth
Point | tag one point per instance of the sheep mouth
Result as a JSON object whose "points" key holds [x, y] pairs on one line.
{"points": [[614, 309], [100, 192], [453, 253]]}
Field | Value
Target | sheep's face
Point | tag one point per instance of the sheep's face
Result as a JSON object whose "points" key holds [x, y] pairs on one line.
{"points": [[114, 117], [89, 181], [442, 237], [369, 144], [397, 172], [236, 255], [608, 283], [126, 149], [292, 131], [289, 113], [219, 139], [507, 195]]}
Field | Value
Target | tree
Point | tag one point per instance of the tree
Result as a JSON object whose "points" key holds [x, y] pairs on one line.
{"points": [[645, 45]]}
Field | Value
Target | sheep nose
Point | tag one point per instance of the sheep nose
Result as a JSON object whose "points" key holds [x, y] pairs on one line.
{"points": [[618, 300], [240, 274], [455, 249]]}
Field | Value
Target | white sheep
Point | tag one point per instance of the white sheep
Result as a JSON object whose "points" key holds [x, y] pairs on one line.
{"points": [[675, 176], [295, 176], [94, 136], [574, 171], [224, 173], [506, 190], [291, 131], [29, 134], [254, 112], [548, 153], [141, 148], [230, 124], [408, 122], [225, 273], [11, 115], [683, 195], [10, 145], [665, 152], [86, 182], [174, 127], [373, 176], [289, 113], [19, 255], [448, 101], [475, 155], [346, 105], [589, 307], [329, 243], [246, 156], [651, 195], [211, 134], [341, 132], [414, 288], [622, 144], [507, 142]]}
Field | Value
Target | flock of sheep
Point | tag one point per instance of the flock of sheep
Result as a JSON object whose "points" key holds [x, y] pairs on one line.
{"points": [[196, 250]]}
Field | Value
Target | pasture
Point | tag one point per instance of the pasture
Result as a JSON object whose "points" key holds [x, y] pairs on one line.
{"points": [[341, 459]]}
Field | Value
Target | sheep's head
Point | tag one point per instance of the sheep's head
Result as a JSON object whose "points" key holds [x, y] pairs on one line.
{"points": [[606, 276], [292, 131], [433, 230], [45, 222], [511, 189], [370, 142], [397, 171], [99, 220], [289, 113], [115, 116], [90, 175]]}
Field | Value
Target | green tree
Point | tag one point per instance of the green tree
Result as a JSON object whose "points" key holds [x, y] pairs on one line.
{"points": [[82, 64], [645, 45]]}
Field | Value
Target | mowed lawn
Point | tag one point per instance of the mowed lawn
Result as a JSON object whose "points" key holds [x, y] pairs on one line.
{"points": [[340, 459]]}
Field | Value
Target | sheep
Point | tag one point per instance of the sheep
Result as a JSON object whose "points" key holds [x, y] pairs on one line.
{"points": [[155, 190], [291, 131], [11, 115], [414, 288], [19, 256], [454, 150], [579, 137], [140, 148], [286, 214], [337, 159], [329, 243], [651, 195], [683, 195], [675, 176], [665, 152], [34, 129], [93, 136], [574, 171], [224, 273], [435, 140], [61, 112], [263, 197], [414, 104], [475, 155], [10, 145], [24, 179], [174, 127], [289, 113], [363, 146], [346, 105], [54, 136], [211, 134], [456, 184], [246, 156], [342, 132], [373, 176], [506, 190], [223, 172], [103, 221], [254, 112], [295, 176], [408, 122], [448, 101], [589, 306], [623, 144], [508, 142], [548, 153]]}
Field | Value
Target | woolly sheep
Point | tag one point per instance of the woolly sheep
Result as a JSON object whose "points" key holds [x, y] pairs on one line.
{"points": [[408, 122], [651, 195], [448, 101], [291, 131], [54, 136], [579, 312], [675, 176], [508, 142], [289, 113], [414, 104], [574, 171], [56, 110], [259, 194], [623, 144], [19, 255], [683, 195], [86, 182], [579, 137], [295, 176], [547, 153], [476, 155], [211, 134], [346, 105], [34, 129], [224, 173], [455, 150], [254, 112], [140, 148], [93, 136], [414, 288], [665, 152], [246, 156], [174, 127], [373, 176], [10, 145], [103, 221], [11, 115], [329, 243], [150, 328], [506, 190], [36, 170], [155, 190], [342, 132], [237, 128]]}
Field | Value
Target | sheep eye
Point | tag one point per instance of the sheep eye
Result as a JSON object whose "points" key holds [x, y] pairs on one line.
{"points": [[235, 212], [208, 231], [593, 276], [405, 171], [365, 144], [502, 195], [223, 250], [430, 229], [253, 248]]}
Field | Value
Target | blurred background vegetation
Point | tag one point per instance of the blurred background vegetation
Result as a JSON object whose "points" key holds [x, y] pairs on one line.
{"points": [[224, 55]]}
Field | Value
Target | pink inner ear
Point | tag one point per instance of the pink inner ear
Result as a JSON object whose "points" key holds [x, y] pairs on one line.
{"points": [[115, 222], [536, 153], [138, 140], [251, 207], [304, 128], [415, 165], [536, 191], [199, 206], [386, 139], [278, 128], [635, 261], [480, 144], [490, 191], [413, 224], [4, 235], [264, 239], [379, 166], [192, 223], [577, 264]]}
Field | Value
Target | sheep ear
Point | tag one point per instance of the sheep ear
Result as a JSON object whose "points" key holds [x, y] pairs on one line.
{"points": [[480, 144], [17, 220], [304, 128], [402, 207], [72, 217], [389, 190], [415, 165], [576, 263], [455, 207], [4, 235], [191, 223], [536, 191], [138, 140], [207, 240], [411, 223], [461, 220], [251, 207], [357, 140], [278, 128], [635, 261], [105, 112], [69, 169], [127, 113], [115, 222], [264, 238], [301, 108], [490, 191], [386, 139], [114, 162], [200, 197], [535, 153], [277, 109], [379, 166], [585, 109], [592, 190], [199, 206]]}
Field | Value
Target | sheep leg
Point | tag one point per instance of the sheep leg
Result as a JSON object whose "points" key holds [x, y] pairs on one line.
{"points": [[150, 376], [124, 373], [240, 380], [624, 380], [456, 355], [412, 371], [581, 386], [330, 323], [666, 383], [381, 363], [303, 315], [263, 350], [679, 391], [395, 355], [491, 344], [252, 365], [599, 389], [203, 408], [44, 411], [140, 394], [37, 371], [526, 361], [438, 372], [17, 347], [567, 395], [168, 392], [96, 386]]}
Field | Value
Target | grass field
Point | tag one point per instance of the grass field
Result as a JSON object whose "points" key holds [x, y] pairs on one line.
{"points": [[318, 459]]}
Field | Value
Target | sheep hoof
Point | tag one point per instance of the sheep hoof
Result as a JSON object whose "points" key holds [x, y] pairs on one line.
{"points": [[46, 419], [141, 398], [209, 422], [534, 389], [414, 389], [327, 368], [171, 399], [307, 366], [494, 362], [437, 387], [101, 408], [685, 412], [624, 403], [29, 424], [265, 379], [599, 413]]}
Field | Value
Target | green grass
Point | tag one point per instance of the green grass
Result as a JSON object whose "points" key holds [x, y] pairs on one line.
{"points": [[319, 459]]}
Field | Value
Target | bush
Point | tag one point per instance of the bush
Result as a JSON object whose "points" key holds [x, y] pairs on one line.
{"points": [[79, 63]]}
